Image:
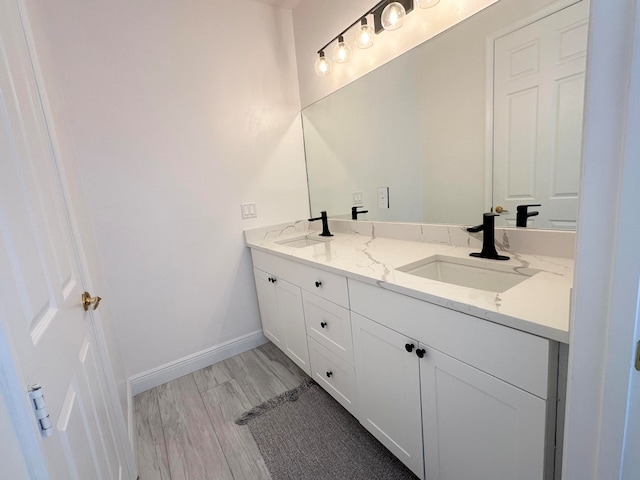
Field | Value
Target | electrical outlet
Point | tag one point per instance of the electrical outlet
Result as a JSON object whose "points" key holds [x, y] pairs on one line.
{"points": [[248, 210], [383, 197], [357, 198]]}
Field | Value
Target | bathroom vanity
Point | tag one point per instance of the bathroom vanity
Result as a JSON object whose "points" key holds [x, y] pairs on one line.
{"points": [[453, 365]]}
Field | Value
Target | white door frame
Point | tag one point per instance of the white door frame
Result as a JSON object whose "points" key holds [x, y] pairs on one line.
{"points": [[605, 297]]}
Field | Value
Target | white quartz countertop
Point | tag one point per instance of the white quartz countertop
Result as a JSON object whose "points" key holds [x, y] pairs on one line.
{"points": [[539, 305]]}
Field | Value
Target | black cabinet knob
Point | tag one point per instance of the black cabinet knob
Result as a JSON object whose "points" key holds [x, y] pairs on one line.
{"points": [[420, 352], [323, 324], [409, 347], [272, 279], [329, 374], [318, 284]]}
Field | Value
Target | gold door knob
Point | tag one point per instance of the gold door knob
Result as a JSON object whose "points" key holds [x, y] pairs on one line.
{"points": [[499, 209], [88, 300]]}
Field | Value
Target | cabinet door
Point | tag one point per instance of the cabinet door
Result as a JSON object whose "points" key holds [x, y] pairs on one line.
{"points": [[388, 390], [477, 426], [268, 302], [291, 316]]}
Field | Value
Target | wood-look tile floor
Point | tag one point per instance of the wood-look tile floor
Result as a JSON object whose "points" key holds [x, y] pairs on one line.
{"points": [[186, 427]]}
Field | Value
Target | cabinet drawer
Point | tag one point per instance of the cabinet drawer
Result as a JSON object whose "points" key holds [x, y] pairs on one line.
{"points": [[329, 324], [516, 357], [325, 284], [334, 375]]}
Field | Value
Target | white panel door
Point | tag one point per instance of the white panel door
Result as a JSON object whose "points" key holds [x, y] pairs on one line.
{"points": [[538, 107], [388, 389], [477, 426], [51, 337]]}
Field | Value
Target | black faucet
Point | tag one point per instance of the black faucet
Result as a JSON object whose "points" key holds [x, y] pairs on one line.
{"points": [[325, 224], [522, 214], [488, 238], [355, 212]]}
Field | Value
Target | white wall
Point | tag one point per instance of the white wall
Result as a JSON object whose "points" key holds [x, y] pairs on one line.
{"points": [[177, 118]]}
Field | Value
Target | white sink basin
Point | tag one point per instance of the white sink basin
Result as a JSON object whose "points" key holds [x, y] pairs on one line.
{"points": [[300, 242], [488, 275]]}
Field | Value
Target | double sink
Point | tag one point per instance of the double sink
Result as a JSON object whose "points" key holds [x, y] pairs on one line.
{"points": [[487, 275]]}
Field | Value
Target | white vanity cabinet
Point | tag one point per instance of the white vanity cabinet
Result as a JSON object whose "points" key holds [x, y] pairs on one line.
{"points": [[305, 312], [453, 396], [477, 426], [282, 316], [471, 398], [388, 389]]}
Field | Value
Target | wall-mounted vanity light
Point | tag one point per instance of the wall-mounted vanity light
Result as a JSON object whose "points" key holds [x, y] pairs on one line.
{"points": [[392, 16], [341, 51], [364, 35], [387, 15], [323, 65]]}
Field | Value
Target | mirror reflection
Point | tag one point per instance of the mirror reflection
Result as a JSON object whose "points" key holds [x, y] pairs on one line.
{"points": [[486, 115]]}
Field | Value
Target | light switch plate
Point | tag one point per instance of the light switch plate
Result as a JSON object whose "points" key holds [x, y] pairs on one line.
{"points": [[357, 198], [248, 210], [383, 197]]}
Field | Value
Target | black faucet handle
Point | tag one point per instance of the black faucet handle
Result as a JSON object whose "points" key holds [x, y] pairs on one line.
{"points": [[325, 224], [355, 212], [521, 208], [523, 213], [323, 216]]}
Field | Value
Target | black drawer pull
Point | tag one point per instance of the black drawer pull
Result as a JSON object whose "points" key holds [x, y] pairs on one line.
{"points": [[318, 284], [409, 347], [420, 352], [323, 324], [329, 374]]}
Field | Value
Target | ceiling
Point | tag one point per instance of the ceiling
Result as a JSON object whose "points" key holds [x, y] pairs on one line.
{"points": [[290, 4]]}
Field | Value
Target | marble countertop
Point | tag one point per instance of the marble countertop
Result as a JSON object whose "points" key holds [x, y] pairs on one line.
{"points": [[539, 305]]}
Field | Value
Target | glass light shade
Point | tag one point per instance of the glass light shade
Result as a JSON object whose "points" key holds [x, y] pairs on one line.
{"points": [[323, 65], [364, 35], [341, 51], [427, 3], [393, 16]]}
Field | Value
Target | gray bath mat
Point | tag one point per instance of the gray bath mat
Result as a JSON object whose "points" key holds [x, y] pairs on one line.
{"points": [[305, 434]]}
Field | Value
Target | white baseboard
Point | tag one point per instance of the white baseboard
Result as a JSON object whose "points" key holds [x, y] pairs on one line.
{"points": [[191, 363]]}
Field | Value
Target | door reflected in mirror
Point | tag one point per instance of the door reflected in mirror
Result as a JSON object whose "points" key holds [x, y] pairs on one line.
{"points": [[453, 130]]}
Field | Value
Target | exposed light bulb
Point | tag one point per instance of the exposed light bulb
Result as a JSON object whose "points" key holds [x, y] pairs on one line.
{"points": [[427, 3], [364, 35], [393, 16], [322, 65], [341, 51]]}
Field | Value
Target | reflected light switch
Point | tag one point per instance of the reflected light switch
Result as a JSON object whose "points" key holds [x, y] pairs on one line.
{"points": [[383, 197]]}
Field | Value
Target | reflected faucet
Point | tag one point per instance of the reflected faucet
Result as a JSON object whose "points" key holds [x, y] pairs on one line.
{"points": [[522, 214], [355, 212], [325, 224], [488, 238]]}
